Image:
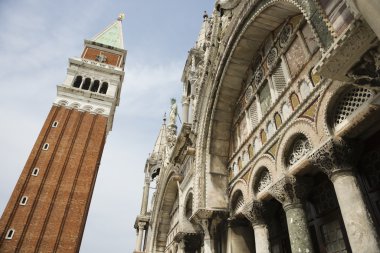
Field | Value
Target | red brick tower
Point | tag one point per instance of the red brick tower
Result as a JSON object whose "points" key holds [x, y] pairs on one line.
{"points": [[48, 208]]}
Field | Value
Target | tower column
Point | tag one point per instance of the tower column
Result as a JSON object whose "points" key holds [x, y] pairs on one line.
{"points": [[139, 240], [144, 204], [185, 109]]}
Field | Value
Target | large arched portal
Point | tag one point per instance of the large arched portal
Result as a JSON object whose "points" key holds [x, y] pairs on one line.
{"points": [[168, 204]]}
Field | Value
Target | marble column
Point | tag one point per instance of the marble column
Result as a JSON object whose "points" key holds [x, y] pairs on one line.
{"points": [[139, 236], [144, 204], [185, 109], [336, 158], [253, 212], [290, 191], [207, 239], [369, 10]]}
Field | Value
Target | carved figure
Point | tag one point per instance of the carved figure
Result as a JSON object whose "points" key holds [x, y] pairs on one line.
{"points": [[173, 112]]}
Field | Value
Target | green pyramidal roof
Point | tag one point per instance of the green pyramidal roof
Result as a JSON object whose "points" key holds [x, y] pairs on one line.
{"points": [[112, 35]]}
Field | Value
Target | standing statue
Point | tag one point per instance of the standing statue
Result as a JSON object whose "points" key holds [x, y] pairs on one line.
{"points": [[173, 113]]}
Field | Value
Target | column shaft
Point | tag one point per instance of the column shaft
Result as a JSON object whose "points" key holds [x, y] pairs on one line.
{"points": [[299, 236], [359, 225], [185, 109], [144, 204], [139, 240], [261, 238]]}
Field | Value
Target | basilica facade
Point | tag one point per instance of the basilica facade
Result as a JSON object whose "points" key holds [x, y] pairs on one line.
{"points": [[279, 149]]}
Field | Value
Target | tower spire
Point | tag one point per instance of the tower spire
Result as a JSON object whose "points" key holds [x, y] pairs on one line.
{"points": [[113, 34]]}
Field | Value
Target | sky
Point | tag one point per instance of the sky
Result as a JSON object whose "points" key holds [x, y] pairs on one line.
{"points": [[36, 39]]}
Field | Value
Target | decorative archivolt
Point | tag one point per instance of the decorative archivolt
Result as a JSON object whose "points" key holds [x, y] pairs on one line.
{"points": [[239, 186], [297, 140], [337, 104], [351, 99], [263, 180], [237, 203], [300, 148], [265, 162]]}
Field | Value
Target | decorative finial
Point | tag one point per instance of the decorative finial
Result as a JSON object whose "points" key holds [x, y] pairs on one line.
{"points": [[164, 119], [121, 17]]}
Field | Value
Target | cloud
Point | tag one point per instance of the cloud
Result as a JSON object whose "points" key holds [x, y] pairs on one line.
{"points": [[36, 38]]}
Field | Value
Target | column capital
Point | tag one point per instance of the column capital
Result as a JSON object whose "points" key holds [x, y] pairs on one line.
{"points": [[335, 155], [291, 190], [253, 211], [141, 225]]}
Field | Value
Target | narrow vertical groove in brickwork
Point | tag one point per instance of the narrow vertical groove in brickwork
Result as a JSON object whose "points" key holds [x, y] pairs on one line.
{"points": [[63, 223], [26, 174], [93, 181], [48, 167], [63, 170]]}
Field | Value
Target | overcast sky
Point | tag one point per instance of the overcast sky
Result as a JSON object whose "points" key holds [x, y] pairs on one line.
{"points": [[36, 39]]}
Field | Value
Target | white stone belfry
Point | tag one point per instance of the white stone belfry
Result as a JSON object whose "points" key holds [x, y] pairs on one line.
{"points": [[93, 82]]}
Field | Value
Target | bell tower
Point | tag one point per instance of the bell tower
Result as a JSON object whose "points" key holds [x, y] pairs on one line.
{"points": [[48, 208]]}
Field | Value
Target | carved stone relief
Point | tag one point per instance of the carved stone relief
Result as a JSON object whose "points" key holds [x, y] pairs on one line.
{"points": [[290, 190], [334, 156]]}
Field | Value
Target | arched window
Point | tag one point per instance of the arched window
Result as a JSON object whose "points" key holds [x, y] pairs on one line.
{"points": [[77, 82], [278, 79], [86, 84], [95, 86], [265, 98], [189, 206], [252, 111], [104, 88], [263, 180], [301, 146], [349, 102]]}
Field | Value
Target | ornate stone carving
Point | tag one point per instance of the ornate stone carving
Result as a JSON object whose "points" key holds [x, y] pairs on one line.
{"points": [[272, 57], [285, 35], [259, 75], [334, 156], [248, 94], [253, 211], [290, 190], [264, 180], [300, 148], [367, 71]]}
